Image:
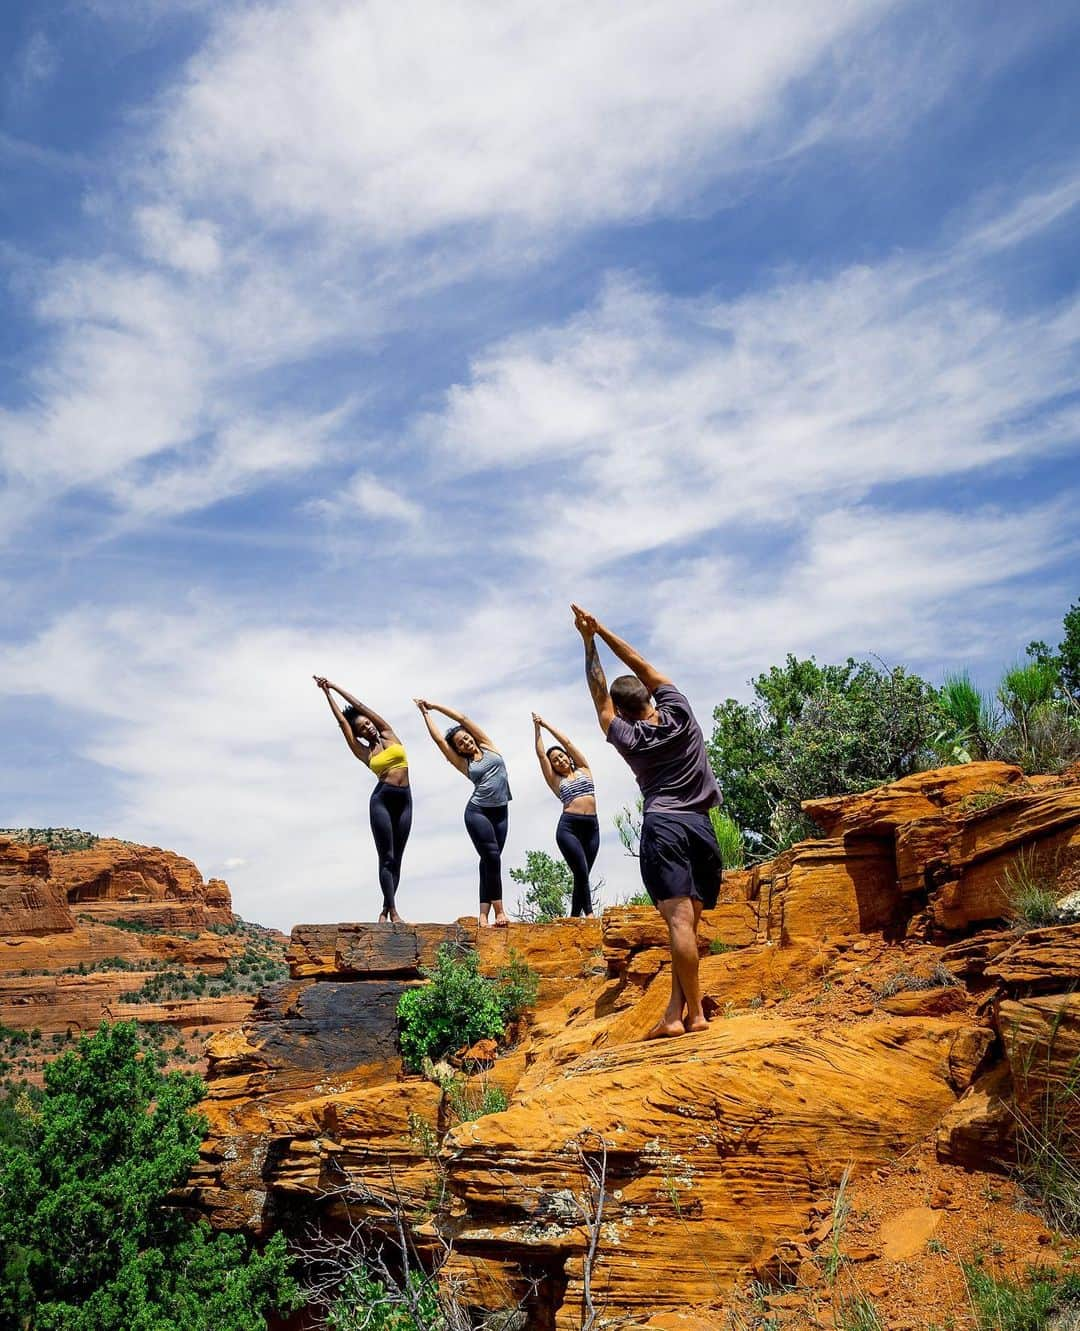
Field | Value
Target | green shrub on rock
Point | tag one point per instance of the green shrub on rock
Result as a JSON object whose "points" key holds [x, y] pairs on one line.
{"points": [[460, 1006]]}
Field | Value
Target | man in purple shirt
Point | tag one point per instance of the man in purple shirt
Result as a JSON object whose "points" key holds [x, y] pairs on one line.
{"points": [[649, 722]]}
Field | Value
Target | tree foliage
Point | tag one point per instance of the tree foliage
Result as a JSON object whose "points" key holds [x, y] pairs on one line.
{"points": [[88, 1242], [548, 885], [817, 730], [460, 1006]]}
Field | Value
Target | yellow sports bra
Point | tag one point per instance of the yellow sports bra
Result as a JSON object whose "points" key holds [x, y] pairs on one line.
{"points": [[391, 759]]}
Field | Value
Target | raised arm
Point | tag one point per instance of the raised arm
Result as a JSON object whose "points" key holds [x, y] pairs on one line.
{"points": [[576, 756], [447, 750], [358, 749], [587, 626], [648, 674], [542, 758], [474, 730], [380, 723]]}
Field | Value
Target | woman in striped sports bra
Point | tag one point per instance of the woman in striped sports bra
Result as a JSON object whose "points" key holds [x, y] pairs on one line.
{"points": [[578, 832], [487, 814], [371, 739]]}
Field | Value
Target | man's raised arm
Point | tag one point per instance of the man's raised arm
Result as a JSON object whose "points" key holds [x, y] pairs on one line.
{"points": [[649, 675], [587, 626]]}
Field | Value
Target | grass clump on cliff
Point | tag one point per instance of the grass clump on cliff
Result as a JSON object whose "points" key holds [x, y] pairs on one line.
{"points": [[1000, 1304], [460, 1006], [88, 1240], [1032, 893]]}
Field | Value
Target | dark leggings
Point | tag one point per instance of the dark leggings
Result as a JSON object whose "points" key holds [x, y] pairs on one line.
{"points": [[578, 837], [391, 818], [487, 830]]}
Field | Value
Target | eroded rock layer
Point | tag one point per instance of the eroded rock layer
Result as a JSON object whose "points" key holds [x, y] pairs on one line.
{"points": [[97, 928], [881, 1021]]}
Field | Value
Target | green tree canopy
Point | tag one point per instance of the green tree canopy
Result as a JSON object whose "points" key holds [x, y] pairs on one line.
{"points": [[817, 730], [87, 1240]]}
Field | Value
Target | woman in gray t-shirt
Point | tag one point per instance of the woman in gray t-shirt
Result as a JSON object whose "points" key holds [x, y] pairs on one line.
{"points": [[487, 815]]}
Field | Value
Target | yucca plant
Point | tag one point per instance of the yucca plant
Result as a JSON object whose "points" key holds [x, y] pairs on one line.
{"points": [[1029, 694], [971, 719]]}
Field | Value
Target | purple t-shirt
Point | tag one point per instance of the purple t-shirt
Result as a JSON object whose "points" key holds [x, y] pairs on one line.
{"points": [[668, 756]]}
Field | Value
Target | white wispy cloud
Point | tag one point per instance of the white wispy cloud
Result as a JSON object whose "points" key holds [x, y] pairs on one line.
{"points": [[404, 118], [763, 407], [367, 494]]}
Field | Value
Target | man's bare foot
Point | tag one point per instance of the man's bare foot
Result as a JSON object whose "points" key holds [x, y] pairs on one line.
{"points": [[502, 921], [395, 918], [383, 918], [698, 1024], [665, 1030]]}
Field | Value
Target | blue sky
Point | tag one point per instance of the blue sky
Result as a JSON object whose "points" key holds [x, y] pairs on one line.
{"points": [[359, 338]]}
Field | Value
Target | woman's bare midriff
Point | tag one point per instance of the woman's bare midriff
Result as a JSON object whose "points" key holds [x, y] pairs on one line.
{"points": [[584, 804]]}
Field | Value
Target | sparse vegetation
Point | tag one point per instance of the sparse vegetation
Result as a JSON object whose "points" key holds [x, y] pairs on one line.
{"points": [[729, 838], [979, 800], [857, 1313], [904, 981], [1031, 891], [1001, 1304], [1047, 1112], [460, 1006], [60, 839], [548, 885]]}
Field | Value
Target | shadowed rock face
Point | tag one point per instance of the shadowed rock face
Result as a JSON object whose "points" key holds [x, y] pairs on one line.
{"points": [[867, 1003], [325, 1027]]}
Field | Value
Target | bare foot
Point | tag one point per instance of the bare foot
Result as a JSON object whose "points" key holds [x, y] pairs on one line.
{"points": [[395, 918], [698, 1024], [502, 921], [382, 918], [665, 1030]]}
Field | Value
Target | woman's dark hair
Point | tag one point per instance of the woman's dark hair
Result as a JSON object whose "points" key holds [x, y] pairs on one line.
{"points": [[352, 715], [558, 748], [456, 730]]}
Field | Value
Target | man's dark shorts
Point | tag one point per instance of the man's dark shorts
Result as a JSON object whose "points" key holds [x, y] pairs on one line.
{"points": [[680, 857]]}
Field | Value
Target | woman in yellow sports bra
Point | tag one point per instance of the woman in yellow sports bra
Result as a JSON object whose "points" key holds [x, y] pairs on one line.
{"points": [[372, 740]]}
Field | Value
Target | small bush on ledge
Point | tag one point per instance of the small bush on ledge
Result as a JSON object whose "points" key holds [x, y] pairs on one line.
{"points": [[461, 1006]]}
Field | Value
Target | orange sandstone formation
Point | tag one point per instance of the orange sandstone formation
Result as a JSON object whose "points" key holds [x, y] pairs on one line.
{"points": [[877, 1024], [80, 930]]}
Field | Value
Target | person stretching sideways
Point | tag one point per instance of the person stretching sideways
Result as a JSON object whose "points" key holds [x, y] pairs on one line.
{"points": [[372, 739], [577, 835], [650, 723], [487, 814]]}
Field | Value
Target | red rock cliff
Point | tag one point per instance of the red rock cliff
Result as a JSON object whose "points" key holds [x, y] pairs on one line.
{"points": [[877, 1026]]}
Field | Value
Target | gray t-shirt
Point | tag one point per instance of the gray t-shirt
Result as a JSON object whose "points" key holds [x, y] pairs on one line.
{"points": [[668, 756], [488, 775]]}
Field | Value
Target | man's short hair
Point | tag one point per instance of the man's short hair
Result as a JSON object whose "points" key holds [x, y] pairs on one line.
{"points": [[630, 696]]}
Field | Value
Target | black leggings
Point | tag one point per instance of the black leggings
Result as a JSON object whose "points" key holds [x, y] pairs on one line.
{"points": [[578, 837], [487, 831], [391, 818]]}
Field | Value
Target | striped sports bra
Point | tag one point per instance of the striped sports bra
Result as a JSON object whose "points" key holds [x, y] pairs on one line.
{"points": [[574, 787], [390, 759]]}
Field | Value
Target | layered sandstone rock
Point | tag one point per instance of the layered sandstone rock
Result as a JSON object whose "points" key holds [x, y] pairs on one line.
{"points": [[870, 1005], [31, 905], [88, 931]]}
